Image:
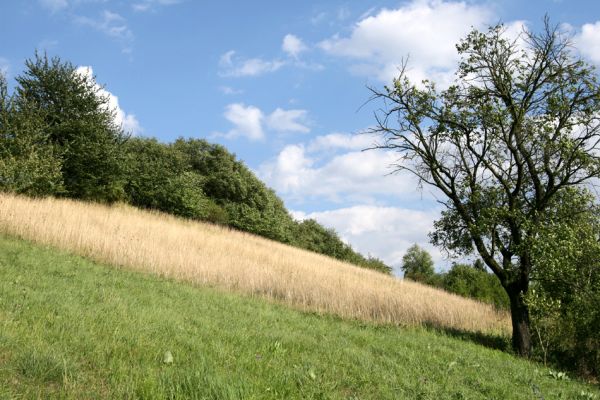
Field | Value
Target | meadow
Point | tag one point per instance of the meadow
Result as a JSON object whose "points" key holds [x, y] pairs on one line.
{"points": [[71, 328], [210, 255]]}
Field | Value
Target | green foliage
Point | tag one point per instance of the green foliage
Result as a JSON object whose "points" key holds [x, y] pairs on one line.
{"points": [[58, 137], [565, 295], [27, 164], [517, 128], [474, 282], [73, 329], [311, 235], [79, 124], [417, 264], [157, 178], [249, 204]]}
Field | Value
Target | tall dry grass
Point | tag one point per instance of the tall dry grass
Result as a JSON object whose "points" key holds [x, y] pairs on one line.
{"points": [[209, 255]]}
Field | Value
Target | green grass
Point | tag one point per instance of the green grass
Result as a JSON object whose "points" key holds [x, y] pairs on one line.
{"points": [[70, 328]]}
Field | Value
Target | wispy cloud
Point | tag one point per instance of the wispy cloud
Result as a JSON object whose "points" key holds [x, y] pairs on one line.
{"points": [[232, 66], [228, 90], [152, 5], [54, 5], [113, 25]]}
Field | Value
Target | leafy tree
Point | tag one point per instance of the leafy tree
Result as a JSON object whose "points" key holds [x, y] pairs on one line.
{"points": [[565, 295], [417, 264], [79, 123], [158, 178], [471, 281], [518, 127], [250, 205], [27, 164]]}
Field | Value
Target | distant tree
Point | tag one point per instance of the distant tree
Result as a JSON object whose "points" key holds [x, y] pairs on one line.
{"points": [[517, 128], [417, 264], [27, 164], [471, 281], [79, 123]]}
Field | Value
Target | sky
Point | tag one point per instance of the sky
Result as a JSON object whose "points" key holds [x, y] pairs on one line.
{"points": [[284, 85]]}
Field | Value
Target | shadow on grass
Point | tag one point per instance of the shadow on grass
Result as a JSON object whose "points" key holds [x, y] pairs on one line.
{"points": [[496, 342]]}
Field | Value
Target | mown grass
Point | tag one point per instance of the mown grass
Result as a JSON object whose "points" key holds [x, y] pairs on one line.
{"points": [[73, 329], [205, 254]]}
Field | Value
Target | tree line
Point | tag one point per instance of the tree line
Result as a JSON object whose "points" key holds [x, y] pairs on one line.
{"points": [[58, 137]]}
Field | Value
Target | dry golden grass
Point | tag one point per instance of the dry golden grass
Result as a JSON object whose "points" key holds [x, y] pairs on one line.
{"points": [[209, 255]]}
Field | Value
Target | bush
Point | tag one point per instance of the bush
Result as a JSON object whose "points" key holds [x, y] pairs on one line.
{"points": [[565, 295], [476, 283]]}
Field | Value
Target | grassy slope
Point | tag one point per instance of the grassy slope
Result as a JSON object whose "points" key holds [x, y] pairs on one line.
{"points": [[70, 328]]}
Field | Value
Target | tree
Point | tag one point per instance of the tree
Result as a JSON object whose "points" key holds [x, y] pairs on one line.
{"points": [[472, 281], [27, 164], [417, 264], [518, 127], [79, 123], [565, 295]]}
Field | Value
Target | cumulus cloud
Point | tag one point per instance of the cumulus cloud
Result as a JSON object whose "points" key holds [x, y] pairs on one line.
{"points": [[112, 25], [588, 41], [384, 232], [303, 172], [424, 30], [293, 45], [247, 121], [128, 122], [251, 122], [282, 120], [233, 66]]}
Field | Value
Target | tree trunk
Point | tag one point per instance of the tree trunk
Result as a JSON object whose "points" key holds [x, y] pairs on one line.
{"points": [[521, 337]]}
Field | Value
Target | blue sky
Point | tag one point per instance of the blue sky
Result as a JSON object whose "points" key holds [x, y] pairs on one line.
{"points": [[282, 84]]}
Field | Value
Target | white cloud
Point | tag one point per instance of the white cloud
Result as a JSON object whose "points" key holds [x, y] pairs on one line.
{"points": [[112, 25], [336, 141], [299, 173], [588, 41], [150, 5], [424, 30], [251, 122], [384, 232], [128, 122], [288, 121], [232, 66], [228, 90], [247, 121], [293, 45], [54, 5]]}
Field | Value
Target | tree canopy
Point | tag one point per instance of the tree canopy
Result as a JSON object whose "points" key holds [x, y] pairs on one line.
{"points": [[518, 127], [59, 136]]}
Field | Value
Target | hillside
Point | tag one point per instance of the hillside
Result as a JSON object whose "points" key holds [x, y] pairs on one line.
{"points": [[73, 329], [210, 255]]}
